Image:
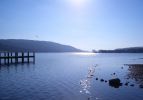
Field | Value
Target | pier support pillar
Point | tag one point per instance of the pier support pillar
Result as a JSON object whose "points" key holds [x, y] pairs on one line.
{"points": [[22, 57], [8, 58], [5, 58], [0, 58], [33, 57], [11, 57], [16, 57], [28, 58]]}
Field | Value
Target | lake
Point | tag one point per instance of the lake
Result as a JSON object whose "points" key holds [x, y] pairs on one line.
{"points": [[65, 76]]}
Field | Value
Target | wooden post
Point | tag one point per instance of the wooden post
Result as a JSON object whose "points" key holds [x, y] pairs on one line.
{"points": [[11, 57], [4, 57], [22, 57], [0, 58], [33, 57], [16, 57], [28, 57], [8, 58]]}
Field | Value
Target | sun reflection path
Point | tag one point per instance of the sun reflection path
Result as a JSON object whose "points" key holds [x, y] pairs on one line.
{"points": [[86, 83]]}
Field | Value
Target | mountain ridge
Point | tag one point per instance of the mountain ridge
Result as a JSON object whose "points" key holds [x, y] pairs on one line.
{"points": [[34, 45]]}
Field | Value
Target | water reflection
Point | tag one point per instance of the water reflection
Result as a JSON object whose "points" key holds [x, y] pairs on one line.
{"points": [[16, 67]]}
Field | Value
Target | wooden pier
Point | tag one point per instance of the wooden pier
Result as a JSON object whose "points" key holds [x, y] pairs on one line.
{"points": [[7, 58]]}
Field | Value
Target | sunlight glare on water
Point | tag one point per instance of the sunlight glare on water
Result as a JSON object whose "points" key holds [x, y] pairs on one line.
{"points": [[85, 53]]}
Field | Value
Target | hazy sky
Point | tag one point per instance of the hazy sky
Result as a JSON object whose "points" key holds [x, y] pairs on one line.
{"points": [[85, 24]]}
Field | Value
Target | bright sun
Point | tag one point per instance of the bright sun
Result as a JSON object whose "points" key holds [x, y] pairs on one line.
{"points": [[78, 3]]}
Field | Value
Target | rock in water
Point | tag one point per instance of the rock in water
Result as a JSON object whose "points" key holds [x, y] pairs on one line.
{"points": [[132, 85], [141, 86], [102, 80], [105, 81], [115, 83]]}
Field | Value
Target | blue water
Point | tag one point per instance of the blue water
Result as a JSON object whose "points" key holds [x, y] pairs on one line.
{"points": [[57, 76]]}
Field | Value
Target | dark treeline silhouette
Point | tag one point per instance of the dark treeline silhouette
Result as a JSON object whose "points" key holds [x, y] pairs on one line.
{"points": [[124, 50], [33, 45]]}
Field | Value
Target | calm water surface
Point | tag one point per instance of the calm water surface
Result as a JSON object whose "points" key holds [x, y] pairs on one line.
{"points": [[58, 76]]}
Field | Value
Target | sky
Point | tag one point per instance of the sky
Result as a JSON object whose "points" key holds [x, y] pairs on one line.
{"points": [[85, 24]]}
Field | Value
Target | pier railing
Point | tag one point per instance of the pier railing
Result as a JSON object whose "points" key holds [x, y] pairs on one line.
{"points": [[7, 58]]}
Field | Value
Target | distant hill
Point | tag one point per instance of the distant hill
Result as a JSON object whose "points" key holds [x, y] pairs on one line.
{"points": [[33, 45], [124, 50]]}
